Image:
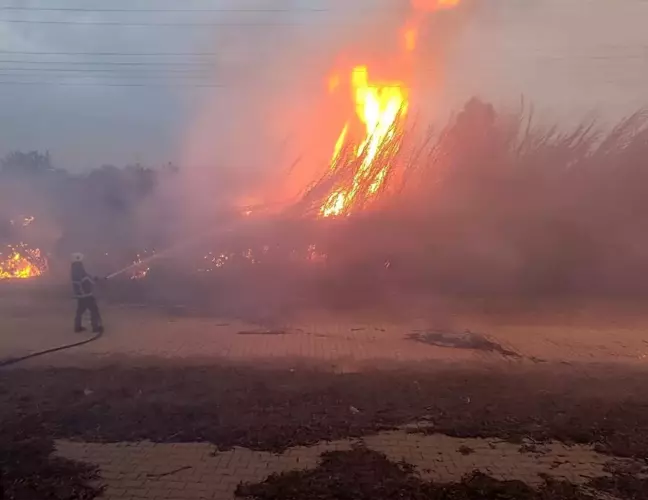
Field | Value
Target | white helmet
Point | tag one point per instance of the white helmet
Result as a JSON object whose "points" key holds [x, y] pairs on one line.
{"points": [[77, 257]]}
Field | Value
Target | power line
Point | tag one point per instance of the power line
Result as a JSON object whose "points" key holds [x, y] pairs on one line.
{"points": [[142, 25], [207, 64], [198, 11], [107, 70], [84, 84], [110, 79], [108, 54], [55, 79], [160, 83], [204, 65], [129, 77], [219, 54]]}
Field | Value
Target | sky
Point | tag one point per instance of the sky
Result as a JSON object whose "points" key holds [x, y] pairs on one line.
{"points": [[251, 88]]}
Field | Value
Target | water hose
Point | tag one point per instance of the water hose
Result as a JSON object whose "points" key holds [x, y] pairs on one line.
{"points": [[13, 361]]}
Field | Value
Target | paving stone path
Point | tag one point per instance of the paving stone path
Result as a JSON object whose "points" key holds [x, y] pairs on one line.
{"points": [[152, 471]]}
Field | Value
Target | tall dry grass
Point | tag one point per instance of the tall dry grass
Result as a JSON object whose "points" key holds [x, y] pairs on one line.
{"points": [[494, 203], [491, 204]]}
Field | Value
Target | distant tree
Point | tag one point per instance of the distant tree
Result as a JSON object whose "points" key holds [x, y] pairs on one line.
{"points": [[121, 189], [170, 168], [34, 162], [140, 179]]}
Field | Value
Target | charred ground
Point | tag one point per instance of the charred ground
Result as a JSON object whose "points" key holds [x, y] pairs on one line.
{"points": [[276, 409]]}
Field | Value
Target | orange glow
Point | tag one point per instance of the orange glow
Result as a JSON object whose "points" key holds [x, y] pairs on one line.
{"points": [[378, 108], [432, 5], [22, 262], [411, 37], [420, 7], [334, 82], [364, 168]]}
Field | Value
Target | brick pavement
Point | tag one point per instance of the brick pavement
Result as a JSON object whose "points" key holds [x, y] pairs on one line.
{"points": [[609, 333], [345, 342], [151, 471]]}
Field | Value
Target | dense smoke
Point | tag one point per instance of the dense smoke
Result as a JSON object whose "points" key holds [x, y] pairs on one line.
{"points": [[524, 209], [490, 201]]}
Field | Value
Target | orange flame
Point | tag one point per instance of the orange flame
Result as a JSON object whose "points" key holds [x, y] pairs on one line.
{"points": [[361, 164], [378, 106], [22, 263]]}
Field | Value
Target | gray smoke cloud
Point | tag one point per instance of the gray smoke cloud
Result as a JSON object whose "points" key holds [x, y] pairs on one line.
{"points": [[567, 57]]}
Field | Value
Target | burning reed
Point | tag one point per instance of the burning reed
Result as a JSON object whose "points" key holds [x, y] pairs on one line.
{"points": [[492, 203]]}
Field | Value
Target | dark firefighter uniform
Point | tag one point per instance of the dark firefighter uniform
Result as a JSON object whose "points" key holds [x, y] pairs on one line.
{"points": [[83, 289]]}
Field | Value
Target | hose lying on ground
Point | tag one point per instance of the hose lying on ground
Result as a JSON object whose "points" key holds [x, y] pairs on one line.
{"points": [[13, 361]]}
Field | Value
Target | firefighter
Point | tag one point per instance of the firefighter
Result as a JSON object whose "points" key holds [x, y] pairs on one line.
{"points": [[83, 288]]}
